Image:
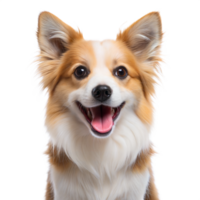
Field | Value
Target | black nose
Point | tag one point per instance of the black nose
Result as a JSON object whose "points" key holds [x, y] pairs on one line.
{"points": [[101, 92]]}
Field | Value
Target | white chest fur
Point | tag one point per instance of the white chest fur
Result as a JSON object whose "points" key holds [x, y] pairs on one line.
{"points": [[74, 184]]}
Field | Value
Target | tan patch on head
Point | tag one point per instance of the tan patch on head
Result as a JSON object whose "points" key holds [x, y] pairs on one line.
{"points": [[117, 54], [79, 53]]}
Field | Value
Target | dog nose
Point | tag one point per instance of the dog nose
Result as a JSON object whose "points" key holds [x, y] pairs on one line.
{"points": [[101, 92]]}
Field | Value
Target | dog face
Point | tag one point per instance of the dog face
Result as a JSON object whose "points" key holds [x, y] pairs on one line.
{"points": [[100, 89], [101, 81]]}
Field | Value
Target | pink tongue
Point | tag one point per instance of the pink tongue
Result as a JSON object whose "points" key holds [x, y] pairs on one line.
{"points": [[102, 119]]}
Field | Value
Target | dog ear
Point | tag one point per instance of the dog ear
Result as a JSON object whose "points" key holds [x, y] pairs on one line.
{"points": [[54, 35], [144, 36]]}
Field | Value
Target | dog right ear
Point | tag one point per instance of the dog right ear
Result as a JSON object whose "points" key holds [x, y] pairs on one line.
{"points": [[144, 37], [54, 36]]}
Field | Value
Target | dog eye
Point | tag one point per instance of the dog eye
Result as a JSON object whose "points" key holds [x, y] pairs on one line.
{"points": [[81, 72], [120, 72]]}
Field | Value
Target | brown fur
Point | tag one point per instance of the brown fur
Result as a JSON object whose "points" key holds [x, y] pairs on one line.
{"points": [[151, 193], [60, 161], [49, 190], [143, 162]]}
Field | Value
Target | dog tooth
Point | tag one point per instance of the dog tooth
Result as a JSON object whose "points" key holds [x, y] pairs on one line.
{"points": [[88, 113], [113, 111]]}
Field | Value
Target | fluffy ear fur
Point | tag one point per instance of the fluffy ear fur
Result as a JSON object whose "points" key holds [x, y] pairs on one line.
{"points": [[144, 36], [54, 35]]}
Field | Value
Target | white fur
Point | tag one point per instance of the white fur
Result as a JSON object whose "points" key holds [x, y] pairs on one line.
{"points": [[76, 184]]}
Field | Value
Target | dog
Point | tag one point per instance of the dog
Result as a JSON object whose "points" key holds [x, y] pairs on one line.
{"points": [[99, 110]]}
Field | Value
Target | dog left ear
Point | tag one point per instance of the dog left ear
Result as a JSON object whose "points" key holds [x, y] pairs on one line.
{"points": [[54, 36], [144, 36]]}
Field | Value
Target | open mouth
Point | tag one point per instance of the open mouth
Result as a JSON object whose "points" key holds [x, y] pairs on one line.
{"points": [[101, 118]]}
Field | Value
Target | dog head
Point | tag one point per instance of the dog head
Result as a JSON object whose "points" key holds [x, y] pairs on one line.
{"points": [[95, 80]]}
